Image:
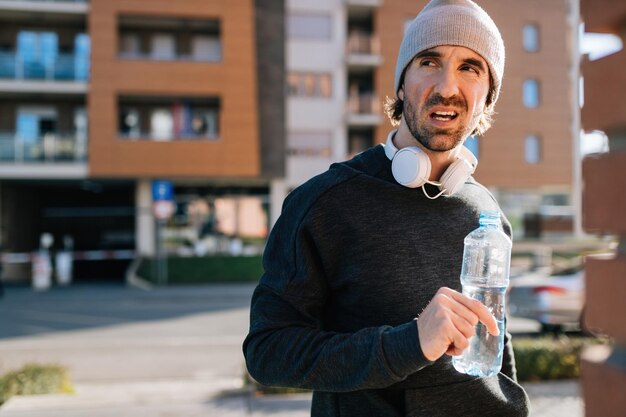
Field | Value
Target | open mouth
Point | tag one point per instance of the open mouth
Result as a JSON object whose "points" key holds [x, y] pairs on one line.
{"points": [[444, 115]]}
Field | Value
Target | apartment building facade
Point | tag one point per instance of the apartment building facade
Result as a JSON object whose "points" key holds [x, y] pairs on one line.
{"points": [[237, 104], [100, 98], [528, 158]]}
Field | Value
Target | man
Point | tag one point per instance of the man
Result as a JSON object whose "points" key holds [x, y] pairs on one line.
{"points": [[355, 256]]}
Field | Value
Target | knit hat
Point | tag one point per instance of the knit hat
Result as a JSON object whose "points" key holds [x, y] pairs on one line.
{"points": [[454, 22]]}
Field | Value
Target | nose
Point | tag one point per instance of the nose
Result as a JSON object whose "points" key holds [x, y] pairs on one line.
{"points": [[447, 84]]}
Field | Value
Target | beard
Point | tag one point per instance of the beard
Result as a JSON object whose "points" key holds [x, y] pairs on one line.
{"points": [[434, 139]]}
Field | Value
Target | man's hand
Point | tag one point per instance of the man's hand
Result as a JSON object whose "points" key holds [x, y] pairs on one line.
{"points": [[448, 321]]}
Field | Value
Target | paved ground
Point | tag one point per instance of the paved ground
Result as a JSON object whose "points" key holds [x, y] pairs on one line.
{"points": [[170, 352]]}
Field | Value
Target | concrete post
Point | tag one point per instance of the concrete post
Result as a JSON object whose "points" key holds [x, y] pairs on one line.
{"points": [[144, 225]]}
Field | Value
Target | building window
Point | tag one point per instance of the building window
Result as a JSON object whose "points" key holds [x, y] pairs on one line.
{"points": [[472, 144], [532, 149], [309, 143], [161, 124], [309, 26], [530, 37], [163, 46], [309, 85], [156, 38], [531, 93], [163, 118]]}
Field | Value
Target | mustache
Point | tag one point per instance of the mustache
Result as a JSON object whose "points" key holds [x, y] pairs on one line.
{"points": [[437, 99]]}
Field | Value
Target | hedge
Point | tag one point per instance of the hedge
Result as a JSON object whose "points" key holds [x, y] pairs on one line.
{"points": [[550, 358], [206, 269], [35, 379]]}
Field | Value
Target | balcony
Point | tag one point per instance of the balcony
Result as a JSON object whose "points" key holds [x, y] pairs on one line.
{"points": [[49, 148], [169, 39], [363, 109], [62, 67], [164, 119], [363, 50]]}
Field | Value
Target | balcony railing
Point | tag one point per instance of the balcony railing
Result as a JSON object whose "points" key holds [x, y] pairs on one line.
{"points": [[213, 56], [52, 147], [363, 103], [362, 43], [63, 67]]}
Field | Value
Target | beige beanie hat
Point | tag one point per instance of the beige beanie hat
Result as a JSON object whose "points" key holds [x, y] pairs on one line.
{"points": [[454, 22]]}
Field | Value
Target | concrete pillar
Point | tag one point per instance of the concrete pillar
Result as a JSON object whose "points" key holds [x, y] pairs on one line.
{"points": [[144, 226], [604, 205], [278, 192]]}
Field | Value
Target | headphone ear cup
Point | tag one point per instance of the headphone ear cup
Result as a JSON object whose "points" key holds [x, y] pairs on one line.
{"points": [[455, 176], [411, 167]]}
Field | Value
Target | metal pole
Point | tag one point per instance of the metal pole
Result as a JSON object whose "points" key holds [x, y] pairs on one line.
{"points": [[161, 256]]}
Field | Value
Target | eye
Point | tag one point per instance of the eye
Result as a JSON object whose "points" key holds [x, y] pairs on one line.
{"points": [[427, 62], [470, 69]]}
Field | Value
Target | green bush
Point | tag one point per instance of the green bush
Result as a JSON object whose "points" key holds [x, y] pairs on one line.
{"points": [[206, 269], [34, 379], [550, 358]]}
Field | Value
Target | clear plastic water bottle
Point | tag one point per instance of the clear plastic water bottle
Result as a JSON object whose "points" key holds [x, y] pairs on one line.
{"points": [[485, 277]]}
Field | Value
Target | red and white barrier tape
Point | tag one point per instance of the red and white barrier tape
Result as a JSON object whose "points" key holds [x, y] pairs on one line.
{"points": [[90, 255]]}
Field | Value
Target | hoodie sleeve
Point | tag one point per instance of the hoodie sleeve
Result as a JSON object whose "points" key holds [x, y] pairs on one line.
{"points": [[287, 345]]}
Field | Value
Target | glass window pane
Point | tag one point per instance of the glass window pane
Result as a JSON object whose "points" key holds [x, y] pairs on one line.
{"points": [[532, 149], [306, 26], [163, 46], [130, 45], [472, 144], [206, 48], [309, 85], [531, 93], [129, 123], [530, 36]]}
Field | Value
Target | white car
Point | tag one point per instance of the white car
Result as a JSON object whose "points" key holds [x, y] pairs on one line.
{"points": [[555, 301]]}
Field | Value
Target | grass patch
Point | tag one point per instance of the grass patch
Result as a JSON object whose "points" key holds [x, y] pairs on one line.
{"points": [[35, 379], [550, 358], [205, 269]]}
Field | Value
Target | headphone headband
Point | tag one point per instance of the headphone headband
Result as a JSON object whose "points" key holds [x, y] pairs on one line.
{"points": [[411, 167]]}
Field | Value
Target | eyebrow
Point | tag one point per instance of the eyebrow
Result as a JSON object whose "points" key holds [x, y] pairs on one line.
{"points": [[475, 62], [434, 54], [428, 53]]}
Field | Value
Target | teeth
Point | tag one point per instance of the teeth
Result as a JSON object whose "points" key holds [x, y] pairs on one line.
{"points": [[444, 115]]}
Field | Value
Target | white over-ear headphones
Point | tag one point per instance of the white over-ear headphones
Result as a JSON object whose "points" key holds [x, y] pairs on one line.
{"points": [[411, 167]]}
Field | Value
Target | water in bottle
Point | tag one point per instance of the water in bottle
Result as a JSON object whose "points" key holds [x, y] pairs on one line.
{"points": [[485, 277]]}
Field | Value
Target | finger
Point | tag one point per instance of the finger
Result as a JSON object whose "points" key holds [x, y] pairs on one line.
{"points": [[459, 344], [466, 328], [476, 307]]}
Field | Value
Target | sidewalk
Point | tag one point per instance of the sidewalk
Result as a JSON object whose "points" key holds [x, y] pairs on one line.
{"points": [[170, 352], [206, 399]]}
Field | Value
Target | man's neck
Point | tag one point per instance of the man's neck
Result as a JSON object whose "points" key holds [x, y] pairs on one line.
{"points": [[439, 160]]}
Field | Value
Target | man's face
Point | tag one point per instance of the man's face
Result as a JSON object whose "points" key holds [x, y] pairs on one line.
{"points": [[444, 94]]}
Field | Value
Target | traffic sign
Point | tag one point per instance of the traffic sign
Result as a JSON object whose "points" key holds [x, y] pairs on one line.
{"points": [[163, 209], [162, 190]]}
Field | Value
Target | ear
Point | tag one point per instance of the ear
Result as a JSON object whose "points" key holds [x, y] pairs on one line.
{"points": [[401, 93]]}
